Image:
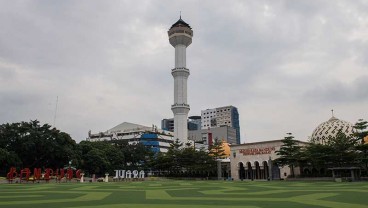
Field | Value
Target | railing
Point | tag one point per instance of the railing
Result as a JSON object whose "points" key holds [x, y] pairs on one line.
{"points": [[180, 105], [180, 30], [180, 69]]}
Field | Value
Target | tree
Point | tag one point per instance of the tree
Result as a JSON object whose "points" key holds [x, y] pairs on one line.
{"points": [[361, 127], [8, 160], [216, 150], [174, 153], [317, 155], [37, 145], [96, 162], [289, 153], [100, 157], [343, 147], [204, 163], [187, 159], [162, 163], [361, 133]]}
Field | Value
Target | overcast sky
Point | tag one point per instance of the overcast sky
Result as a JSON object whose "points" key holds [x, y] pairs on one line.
{"points": [[283, 64]]}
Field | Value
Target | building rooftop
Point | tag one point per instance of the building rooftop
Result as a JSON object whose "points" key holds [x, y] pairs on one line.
{"points": [[263, 142], [126, 126]]}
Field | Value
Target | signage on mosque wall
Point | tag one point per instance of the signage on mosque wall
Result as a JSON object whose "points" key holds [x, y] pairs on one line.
{"points": [[257, 151]]}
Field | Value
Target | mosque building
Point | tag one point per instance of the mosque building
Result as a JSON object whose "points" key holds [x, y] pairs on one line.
{"points": [[254, 160]]}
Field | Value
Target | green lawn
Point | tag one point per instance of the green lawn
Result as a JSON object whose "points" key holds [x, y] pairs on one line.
{"points": [[169, 194]]}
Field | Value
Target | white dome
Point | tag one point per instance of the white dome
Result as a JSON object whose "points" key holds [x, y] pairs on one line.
{"points": [[329, 129]]}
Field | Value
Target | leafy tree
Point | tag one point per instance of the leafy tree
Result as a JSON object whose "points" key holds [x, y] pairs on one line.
{"points": [[361, 128], [289, 153], [344, 153], [105, 157], [174, 153], [37, 145], [362, 157], [179, 161], [7, 160], [216, 150], [96, 162], [317, 155], [138, 155], [162, 163], [204, 163]]}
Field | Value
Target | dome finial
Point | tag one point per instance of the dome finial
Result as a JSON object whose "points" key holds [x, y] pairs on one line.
{"points": [[332, 113], [180, 15]]}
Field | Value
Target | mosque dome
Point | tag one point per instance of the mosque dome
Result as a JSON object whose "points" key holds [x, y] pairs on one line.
{"points": [[329, 129]]}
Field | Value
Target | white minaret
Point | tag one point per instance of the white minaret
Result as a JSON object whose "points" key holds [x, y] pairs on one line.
{"points": [[180, 36]]}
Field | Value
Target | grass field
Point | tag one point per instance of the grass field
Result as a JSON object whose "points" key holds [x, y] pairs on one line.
{"points": [[182, 194]]}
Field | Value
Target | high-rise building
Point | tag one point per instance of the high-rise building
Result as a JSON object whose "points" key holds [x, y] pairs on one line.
{"points": [[221, 116], [167, 124], [223, 133], [194, 123], [180, 37]]}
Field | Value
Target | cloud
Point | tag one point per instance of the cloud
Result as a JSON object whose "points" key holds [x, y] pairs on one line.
{"points": [[339, 92], [284, 64]]}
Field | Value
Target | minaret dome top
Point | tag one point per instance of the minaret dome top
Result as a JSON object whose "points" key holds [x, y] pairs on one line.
{"points": [[180, 23]]}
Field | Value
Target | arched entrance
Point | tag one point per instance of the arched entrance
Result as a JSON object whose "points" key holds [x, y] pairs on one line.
{"points": [[257, 174], [241, 171], [266, 173], [249, 171]]}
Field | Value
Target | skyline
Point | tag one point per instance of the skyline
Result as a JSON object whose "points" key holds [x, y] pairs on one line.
{"points": [[283, 64]]}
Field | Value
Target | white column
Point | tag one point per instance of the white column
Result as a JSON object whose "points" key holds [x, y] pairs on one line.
{"points": [[180, 127], [180, 56], [82, 178], [106, 177]]}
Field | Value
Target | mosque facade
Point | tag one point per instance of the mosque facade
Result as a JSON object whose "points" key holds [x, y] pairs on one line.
{"points": [[253, 161]]}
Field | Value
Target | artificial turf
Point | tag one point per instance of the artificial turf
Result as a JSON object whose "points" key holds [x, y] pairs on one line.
{"points": [[182, 194]]}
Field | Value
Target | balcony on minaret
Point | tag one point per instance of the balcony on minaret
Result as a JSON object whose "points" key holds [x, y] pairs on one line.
{"points": [[180, 71], [182, 105], [180, 108]]}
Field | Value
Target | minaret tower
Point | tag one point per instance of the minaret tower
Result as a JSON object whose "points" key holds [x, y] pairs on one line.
{"points": [[180, 37]]}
